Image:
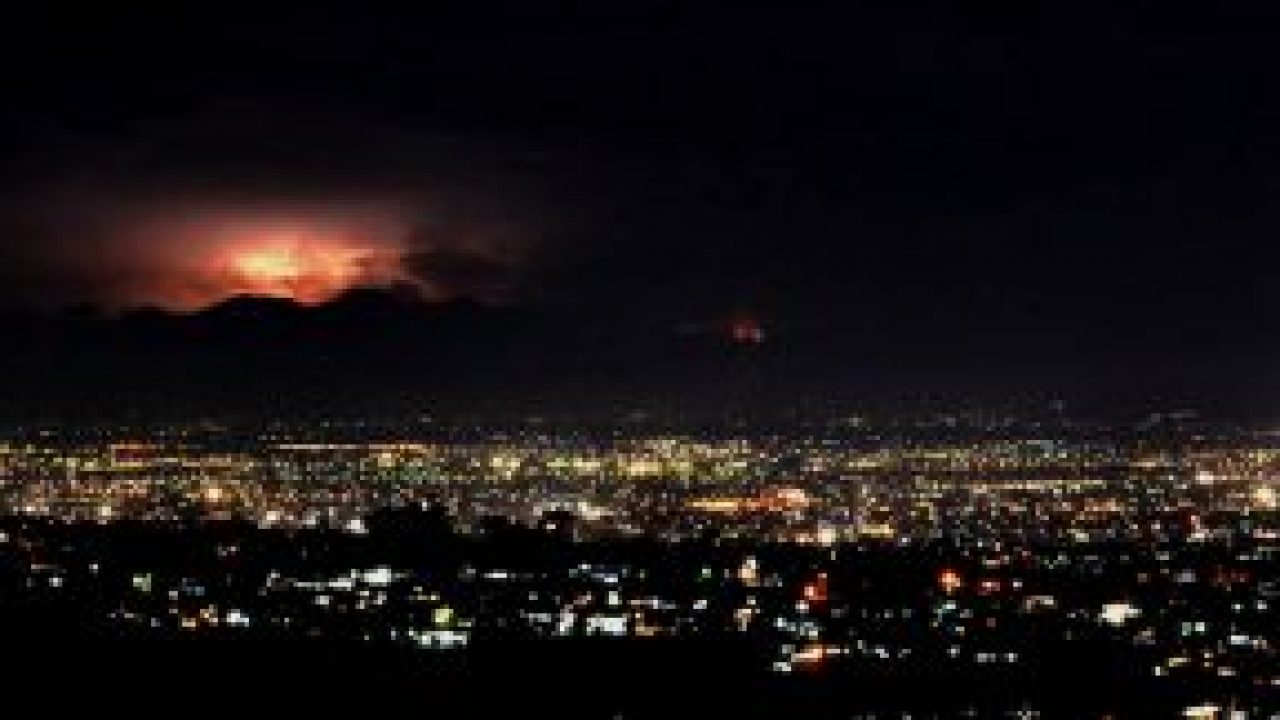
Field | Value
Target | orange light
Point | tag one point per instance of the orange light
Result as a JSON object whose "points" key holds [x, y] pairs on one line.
{"points": [[308, 271], [950, 581], [815, 655], [269, 265], [815, 592]]}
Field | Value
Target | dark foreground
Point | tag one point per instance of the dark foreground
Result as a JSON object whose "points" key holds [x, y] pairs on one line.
{"points": [[64, 673], [84, 633]]}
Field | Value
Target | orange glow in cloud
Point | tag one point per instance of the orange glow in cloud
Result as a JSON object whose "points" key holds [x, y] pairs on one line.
{"points": [[308, 272], [202, 260], [186, 261]]}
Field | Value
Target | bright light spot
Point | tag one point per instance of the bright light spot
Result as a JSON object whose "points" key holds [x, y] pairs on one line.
{"points": [[1118, 613], [442, 616], [1264, 497], [950, 581], [305, 270], [271, 265], [827, 535], [236, 618], [378, 577], [615, 625], [1207, 711], [142, 582]]}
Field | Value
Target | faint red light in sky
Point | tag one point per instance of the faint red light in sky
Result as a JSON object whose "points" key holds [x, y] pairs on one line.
{"points": [[746, 330]]}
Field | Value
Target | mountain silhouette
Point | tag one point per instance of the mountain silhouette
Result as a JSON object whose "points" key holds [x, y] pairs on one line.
{"points": [[367, 350]]}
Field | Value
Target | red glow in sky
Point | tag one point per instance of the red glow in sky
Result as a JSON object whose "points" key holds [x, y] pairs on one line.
{"points": [[188, 254], [305, 270], [746, 330], [201, 261]]}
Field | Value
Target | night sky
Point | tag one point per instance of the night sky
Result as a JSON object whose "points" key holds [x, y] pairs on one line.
{"points": [[1015, 202]]}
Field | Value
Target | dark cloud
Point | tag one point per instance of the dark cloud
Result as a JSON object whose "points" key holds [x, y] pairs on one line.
{"points": [[451, 274]]}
